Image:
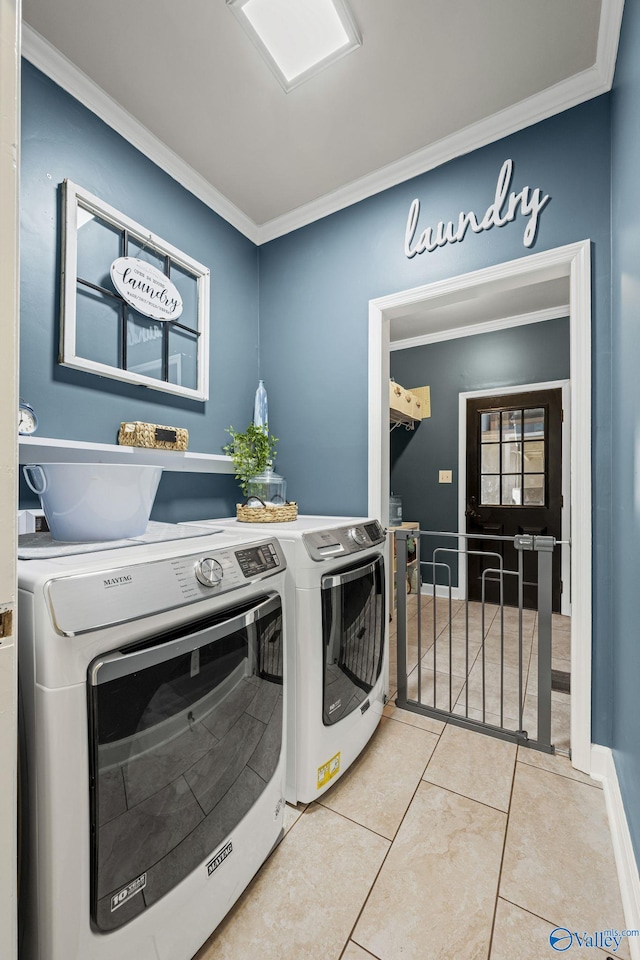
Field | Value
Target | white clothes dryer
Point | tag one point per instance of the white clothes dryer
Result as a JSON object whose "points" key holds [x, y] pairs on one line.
{"points": [[152, 683], [337, 653]]}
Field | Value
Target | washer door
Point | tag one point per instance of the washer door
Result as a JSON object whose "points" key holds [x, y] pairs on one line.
{"points": [[185, 733], [353, 624]]}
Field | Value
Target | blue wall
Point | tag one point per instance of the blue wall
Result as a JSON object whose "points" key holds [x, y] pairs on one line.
{"points": [[625, 228], [529, 354], [61, 139], [315, 285]]}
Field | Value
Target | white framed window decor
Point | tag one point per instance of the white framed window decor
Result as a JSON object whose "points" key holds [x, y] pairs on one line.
{"points": [[134, 308]]}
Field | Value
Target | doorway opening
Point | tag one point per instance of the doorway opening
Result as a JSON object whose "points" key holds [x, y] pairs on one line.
{"points": [[446, 301]]}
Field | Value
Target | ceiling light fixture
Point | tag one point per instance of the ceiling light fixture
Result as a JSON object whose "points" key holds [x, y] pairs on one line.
{"points": [[298, 38]]}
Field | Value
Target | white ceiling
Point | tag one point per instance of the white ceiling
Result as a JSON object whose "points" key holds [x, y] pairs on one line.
{"points": [[462, 313], [433, 79]]}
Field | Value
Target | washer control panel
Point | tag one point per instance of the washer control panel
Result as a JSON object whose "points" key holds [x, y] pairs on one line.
{"points": [[83, 602], [342, 541]]}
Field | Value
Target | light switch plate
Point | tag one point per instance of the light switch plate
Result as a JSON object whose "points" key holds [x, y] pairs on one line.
{"points": [[445, 476]]}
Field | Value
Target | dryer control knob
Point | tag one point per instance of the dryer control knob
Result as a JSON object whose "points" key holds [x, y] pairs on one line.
{"points": [[358, 536], [209, 572]]}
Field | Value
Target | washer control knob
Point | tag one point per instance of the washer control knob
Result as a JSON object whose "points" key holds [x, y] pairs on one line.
{"points": [[358, 536], [209, 572]]}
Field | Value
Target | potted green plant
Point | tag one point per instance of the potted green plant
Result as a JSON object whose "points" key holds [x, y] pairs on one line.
{"points": [[251, 452]]}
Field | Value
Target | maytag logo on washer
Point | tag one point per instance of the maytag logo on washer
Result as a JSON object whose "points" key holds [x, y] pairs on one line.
{"points": [[219, 858], [129, 891], [118, 581]]}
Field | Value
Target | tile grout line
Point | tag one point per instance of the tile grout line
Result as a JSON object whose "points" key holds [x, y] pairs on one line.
{"points": [[556, 773], [354, 822], [464, 796], [504, 848], [357, 822], [360, 947], [415, 726], [552, 923], [526, 910], [384, 860]]}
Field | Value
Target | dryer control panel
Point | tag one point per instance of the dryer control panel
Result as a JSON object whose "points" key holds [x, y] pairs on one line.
{"points": [[343, 541]]}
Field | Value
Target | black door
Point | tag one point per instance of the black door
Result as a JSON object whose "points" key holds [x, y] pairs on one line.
{"points": [[514, 486]]}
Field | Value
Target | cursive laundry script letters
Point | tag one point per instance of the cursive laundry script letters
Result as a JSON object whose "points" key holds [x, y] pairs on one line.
{"points": [[504, 209]]}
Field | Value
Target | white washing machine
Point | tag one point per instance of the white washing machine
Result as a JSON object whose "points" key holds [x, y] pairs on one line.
{"points": [[337, 653], [152, 683]]}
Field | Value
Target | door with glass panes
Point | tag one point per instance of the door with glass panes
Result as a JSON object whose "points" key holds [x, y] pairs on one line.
{"points": [[514, 486]]}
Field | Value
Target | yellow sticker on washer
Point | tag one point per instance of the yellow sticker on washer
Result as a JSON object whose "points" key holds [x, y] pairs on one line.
{"points": [[328, 770]]}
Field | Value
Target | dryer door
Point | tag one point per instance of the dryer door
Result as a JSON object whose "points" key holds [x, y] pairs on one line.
{"points": [[353, 625], [185, 733]]}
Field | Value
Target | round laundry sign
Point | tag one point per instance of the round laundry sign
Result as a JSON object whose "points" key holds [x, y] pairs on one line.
{"points": [[146, 289]]}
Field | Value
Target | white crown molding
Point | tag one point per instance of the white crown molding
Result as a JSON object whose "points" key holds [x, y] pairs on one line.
{"points": [[568, 93], [62, 71], [488, 326], [603, 768], [608, 39], [562, 96]]}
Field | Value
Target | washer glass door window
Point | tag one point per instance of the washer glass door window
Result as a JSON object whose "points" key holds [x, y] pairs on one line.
{"points": [[185, 734], [353, 622]]}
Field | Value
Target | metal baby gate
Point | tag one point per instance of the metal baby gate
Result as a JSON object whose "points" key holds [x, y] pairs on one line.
{"points": [[468, 662]]}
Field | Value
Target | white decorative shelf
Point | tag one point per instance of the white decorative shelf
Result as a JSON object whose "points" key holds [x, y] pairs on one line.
{"points": [[48, 450]]}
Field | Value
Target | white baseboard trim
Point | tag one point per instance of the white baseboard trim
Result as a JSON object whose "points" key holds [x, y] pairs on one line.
{"points": [[441, 591], [603, 768]]}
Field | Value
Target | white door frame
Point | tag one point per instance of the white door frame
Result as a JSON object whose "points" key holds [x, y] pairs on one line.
{"points": [[10, 20], [574, 261], [565, 521]]}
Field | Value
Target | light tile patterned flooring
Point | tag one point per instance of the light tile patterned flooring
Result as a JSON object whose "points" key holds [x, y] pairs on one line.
{"points": [[438, 844]]}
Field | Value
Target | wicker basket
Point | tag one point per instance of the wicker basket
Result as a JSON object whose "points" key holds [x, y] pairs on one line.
{"points": [[153, 435], [281, 514]]}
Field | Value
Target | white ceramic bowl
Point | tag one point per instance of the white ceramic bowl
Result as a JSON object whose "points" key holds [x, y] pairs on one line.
{"points": [[86, 502]]}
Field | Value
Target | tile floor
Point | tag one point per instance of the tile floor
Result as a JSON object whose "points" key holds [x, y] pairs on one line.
{"points": [[438, 844]]}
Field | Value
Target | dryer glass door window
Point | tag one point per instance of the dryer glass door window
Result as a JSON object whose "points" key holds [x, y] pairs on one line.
{"points": [[353, 622], [185, 733]]}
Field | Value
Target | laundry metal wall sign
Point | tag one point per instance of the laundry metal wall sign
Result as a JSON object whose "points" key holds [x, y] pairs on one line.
{"points": [[146, 288], [505, 207]]}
